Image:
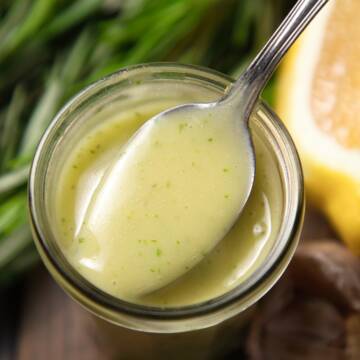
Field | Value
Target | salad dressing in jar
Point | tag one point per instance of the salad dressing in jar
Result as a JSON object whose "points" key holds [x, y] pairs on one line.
{"points": [[196, 312]]}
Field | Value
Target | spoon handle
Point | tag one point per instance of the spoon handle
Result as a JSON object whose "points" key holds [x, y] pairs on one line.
{"points": [[246, 90]]}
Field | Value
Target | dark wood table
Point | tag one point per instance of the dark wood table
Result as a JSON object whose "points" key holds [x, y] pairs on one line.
{"points": [[39, 321]]}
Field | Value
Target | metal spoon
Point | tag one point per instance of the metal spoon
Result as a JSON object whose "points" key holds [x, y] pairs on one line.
{"points": [[200, 227]]}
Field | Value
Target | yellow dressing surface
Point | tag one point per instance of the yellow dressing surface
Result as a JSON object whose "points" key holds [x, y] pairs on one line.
{"points": [[152, 236], [167, 199]]}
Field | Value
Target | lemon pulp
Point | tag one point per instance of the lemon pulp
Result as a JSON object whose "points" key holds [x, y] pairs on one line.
{"points": [[319, 88]]}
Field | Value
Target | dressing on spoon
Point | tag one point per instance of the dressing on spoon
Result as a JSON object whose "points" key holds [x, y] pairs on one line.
{"points": [[169, 199]]}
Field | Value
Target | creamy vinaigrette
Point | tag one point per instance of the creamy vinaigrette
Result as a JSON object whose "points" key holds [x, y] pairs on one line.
{"points": [[153, 235]]}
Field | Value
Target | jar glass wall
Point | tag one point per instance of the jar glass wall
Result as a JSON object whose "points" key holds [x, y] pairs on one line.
{"points": [[131, 88]]}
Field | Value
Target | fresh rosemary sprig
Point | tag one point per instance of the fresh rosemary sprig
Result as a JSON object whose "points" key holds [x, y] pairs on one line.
{"points": [[50, 49]]}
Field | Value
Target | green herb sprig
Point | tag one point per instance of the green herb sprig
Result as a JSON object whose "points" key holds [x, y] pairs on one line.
{"points": [[50, 49]]}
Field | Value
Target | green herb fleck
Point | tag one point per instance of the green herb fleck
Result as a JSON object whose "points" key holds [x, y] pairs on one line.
{"points": [[81, 240], [226, 196], [182, 126], [210, 139], [178, 242], [225, 170], [152, 270], [158, 252]]}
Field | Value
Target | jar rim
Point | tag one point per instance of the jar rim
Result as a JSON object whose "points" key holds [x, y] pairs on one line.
{"points": [[93, 296]]}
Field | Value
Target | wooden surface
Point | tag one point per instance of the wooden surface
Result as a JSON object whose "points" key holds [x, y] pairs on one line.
{"points": [[40, 322]]}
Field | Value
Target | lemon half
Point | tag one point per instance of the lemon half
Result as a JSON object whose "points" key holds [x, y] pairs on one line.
{"points": [[318, 98]]}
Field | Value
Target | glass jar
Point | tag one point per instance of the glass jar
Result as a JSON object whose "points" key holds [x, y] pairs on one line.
{"points": [[201, 331]]}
